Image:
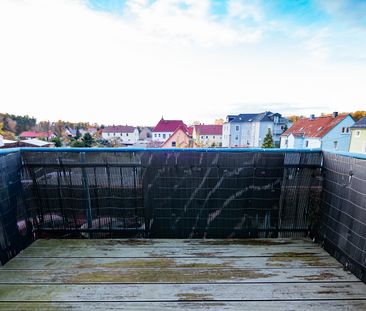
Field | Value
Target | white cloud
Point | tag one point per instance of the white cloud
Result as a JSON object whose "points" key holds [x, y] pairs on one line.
{"points": [[59, 59]]}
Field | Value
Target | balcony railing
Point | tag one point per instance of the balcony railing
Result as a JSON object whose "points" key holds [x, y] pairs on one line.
{"points": [[184, 193]]}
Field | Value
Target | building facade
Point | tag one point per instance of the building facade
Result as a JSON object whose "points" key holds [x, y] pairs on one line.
{"points": [[179, 139], [358, 137], [249, 130], [207, 135], [125, 134]]}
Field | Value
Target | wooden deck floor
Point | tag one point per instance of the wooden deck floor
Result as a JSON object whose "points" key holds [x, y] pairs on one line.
{"points": [[178, 275]]}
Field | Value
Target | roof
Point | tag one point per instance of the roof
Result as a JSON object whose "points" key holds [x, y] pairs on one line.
{"points": [[190, 130], [37, 142], [119, 129], [203, 129], [182, 128], [360, 124], [168, 125], [317, 127], [266, 116], [34, 134]]}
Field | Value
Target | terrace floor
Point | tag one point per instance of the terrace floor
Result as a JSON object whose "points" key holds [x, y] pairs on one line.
{"points": [[278, 274]]}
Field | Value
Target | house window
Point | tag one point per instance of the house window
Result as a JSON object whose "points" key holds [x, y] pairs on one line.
{"points": [[126, 134], [236, 137], [163, 135], [286, 142], [306, 143], [206, 137], [154, 135], [201, 137], [358, 134], [237, 127], [174, 144], [159, 135], [343, 129], [347, 130], [335, 144], [109, 134], [213, 137]]}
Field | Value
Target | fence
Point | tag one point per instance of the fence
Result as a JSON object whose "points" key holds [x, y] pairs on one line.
{"points": [[343, 211], [15, 228], [172, 194]]}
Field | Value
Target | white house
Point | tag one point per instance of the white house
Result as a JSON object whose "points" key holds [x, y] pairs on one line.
{"points": [[207, 135], [249, 130], [327, 132], [126, 134], [165, 128]]}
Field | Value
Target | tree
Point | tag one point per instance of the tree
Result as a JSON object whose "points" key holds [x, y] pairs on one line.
{"points": [[88, 140], [357, 115], [57, 141], [268, 140]]}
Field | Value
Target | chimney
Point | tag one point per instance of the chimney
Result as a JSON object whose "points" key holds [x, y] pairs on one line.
{"points": [[312, 117], [335, 114]]}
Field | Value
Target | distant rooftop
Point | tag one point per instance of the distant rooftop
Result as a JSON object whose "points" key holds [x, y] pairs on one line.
{"points": [[119, 129], [314, 127], [203, 129], [168, 125], [266, 116], [360, 123]]}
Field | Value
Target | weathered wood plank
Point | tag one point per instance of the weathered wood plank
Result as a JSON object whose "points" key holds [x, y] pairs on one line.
{"points": [[175, 275], [175, 243], [294, 262], [340, 305], [193, 251], [164, 292]]}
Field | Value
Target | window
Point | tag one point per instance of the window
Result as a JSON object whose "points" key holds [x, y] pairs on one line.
{"points": [[174, 144], [154, 135], [201, 137], [335, 144], [343, 129], [236, 137], [163, 135], [159, 135], [213, 137], [237, 127], [358, 134], [109, 134], [347, 130], [306, 143], [286, 142], [206, 137], [126, 134]]}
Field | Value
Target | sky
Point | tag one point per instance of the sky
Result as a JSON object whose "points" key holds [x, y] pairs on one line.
{"points": [[134, 61]]}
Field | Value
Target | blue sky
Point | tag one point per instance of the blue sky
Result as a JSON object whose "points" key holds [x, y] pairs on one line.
{"points": [[212, 57]]}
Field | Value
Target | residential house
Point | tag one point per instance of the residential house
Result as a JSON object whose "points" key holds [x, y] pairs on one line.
{"points": [[207, 135], [180, 138], [145, 133], [6, 143], [248, 130], [127, 135], [358, 137], [36, 135], [326, 132], [165, 128]]}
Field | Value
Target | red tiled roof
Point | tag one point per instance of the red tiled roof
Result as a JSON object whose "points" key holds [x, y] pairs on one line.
{"points": [[119, 129], [168, 125], [317, 127], [34, 134], [203, 129], [182, 128]]}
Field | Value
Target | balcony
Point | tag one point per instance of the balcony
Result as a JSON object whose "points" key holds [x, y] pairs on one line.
{"points": [[177, 229]]}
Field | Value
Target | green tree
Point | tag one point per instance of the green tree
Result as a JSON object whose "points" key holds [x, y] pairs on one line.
{"points": [[57, 141], [268, 140], [88, 140], [77, 144]]}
